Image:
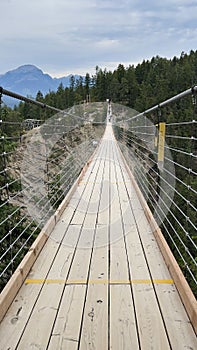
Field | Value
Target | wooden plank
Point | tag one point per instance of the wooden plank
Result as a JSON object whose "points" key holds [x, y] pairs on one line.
{"points": [[119, 265], [19, 312], [84, 200], [94, 334], [45, 309], [95, 322], [14, 284], [103, 214], [99, 263], [38, 329], [83, 205], [93, 207], [80, 266], [169, 300], [147, 309], [65, 334], [144, 295], [85, 181], [90, 164], [77, 187], [15, 319], [123, 331], [180, 330]]}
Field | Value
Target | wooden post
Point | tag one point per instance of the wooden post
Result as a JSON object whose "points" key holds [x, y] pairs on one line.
{"points": [[161, 144]]}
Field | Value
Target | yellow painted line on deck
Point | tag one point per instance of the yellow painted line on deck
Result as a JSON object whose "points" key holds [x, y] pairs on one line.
{"points": [[99, 281], [99, 183]]}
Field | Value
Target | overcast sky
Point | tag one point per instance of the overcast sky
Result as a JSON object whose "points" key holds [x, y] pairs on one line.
{"points": [[73, 36]]}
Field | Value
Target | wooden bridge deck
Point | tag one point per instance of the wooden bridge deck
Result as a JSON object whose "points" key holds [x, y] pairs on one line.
{"points": [[100, 282]]}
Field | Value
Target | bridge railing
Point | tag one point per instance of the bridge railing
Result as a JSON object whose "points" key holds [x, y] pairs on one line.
{"points": [[37, 169], [160, 148]]}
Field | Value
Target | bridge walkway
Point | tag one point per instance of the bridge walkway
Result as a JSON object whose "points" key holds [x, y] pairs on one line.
{"points": [[100, 282]]}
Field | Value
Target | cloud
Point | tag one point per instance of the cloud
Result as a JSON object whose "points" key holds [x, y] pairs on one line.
{"points": [[107, 44], [69, 35]]}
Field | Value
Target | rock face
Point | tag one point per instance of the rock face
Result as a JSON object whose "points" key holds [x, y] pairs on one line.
{"points": [[49, 158], [44, 170]]}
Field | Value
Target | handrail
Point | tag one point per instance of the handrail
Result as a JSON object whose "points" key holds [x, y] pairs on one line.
{"points": [[27, 99], [191, 91]]}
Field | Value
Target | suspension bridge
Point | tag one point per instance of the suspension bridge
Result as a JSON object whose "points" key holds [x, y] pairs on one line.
{"points": [[100, 274]]}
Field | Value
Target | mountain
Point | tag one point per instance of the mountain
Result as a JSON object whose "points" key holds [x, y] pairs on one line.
{"points": [[28, 79]]}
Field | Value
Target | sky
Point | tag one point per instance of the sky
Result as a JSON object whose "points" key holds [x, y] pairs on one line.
{"points": [[64, 37]]}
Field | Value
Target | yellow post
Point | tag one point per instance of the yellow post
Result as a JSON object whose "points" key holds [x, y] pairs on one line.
{"points": [[161, 144], [156, 135]]}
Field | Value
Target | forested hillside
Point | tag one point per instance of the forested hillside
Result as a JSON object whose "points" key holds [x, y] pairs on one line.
{"points": [[149, 83], [140, 87]]}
